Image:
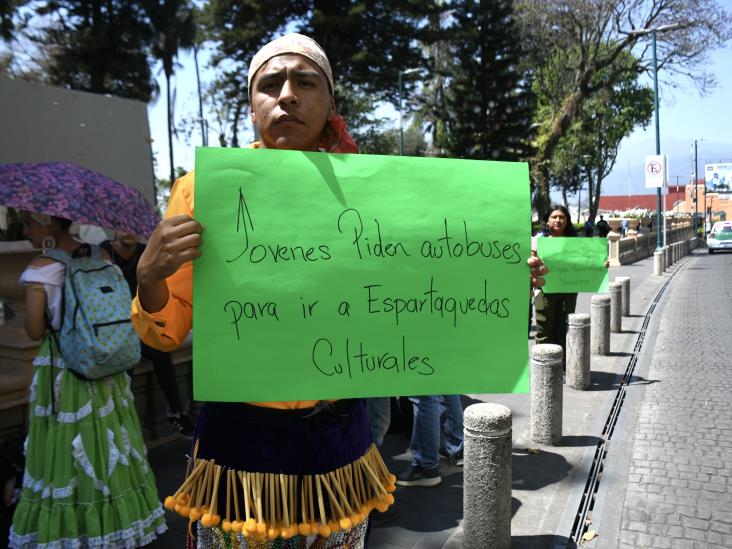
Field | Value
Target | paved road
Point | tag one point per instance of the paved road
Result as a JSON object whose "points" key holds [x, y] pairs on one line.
{"points": [[669, 482]]}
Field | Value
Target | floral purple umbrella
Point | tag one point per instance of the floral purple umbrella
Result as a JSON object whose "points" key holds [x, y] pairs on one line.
{"points": [[64, 189]]}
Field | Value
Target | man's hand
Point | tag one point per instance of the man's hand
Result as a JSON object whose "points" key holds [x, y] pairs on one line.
{"points": [[538, 270], [174, 241]]}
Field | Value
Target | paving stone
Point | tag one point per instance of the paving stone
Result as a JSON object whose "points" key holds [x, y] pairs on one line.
{"points": [[682, 445]]}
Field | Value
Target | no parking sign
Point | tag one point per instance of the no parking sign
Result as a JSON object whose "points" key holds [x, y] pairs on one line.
{"points": [[656, 169]]}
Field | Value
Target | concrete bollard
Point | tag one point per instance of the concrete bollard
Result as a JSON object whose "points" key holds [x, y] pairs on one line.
{"points": [[487, 476], [625, 284], [600, 320], [578, 352], [546, 394], [616, 307], [657, 263]]}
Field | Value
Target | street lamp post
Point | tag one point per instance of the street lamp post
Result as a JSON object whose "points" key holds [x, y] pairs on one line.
{"points": [[401, 116], [652, 32], [579, 190], [658, 140], [696, 185]]}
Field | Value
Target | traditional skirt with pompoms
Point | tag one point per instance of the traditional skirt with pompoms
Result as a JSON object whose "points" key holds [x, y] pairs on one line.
{"points": [[269, 478]]}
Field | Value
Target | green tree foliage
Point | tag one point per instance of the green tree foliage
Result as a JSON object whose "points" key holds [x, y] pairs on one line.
{"points": [[488, 103], [588, 151], [8, 9], [594, 34], [367, 42], [98, 46], [174, 28]]}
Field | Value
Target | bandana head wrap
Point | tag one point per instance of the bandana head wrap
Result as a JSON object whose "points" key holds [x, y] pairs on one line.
{"points": [[335, 137], [291, 43]]}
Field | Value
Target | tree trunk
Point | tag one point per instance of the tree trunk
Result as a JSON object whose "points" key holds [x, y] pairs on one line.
{"points": [[204, 133], [170, 129]]}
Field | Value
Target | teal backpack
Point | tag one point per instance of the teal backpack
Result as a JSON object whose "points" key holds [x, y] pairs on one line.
{"points": [[96, 338]]}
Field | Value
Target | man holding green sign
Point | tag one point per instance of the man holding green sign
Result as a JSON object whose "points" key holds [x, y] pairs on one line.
{"points": [[327, 276]]}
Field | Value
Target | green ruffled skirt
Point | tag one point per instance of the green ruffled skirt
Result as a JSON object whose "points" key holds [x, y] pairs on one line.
{"points": [[87, 481]]}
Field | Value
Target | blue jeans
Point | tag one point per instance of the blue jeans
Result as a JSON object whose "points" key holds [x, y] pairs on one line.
{"points": [[379, 410], [425, 444]]}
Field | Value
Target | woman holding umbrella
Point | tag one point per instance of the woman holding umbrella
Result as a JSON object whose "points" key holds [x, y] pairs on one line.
{"points": [[87, 482]]}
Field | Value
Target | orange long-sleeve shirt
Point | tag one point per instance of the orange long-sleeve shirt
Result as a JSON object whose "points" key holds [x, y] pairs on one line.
{"points": [[168, 328]]}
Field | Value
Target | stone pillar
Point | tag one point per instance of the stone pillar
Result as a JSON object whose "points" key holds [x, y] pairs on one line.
{"points": [[487, 477], [616, 307], [632, 233], [657, 263], [546, 395], [625, 284], [613, 251], [578, 352], [600, 320]]}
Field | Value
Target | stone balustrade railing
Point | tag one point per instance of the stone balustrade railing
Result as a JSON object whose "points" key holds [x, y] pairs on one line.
{"points": [[635, 246]]}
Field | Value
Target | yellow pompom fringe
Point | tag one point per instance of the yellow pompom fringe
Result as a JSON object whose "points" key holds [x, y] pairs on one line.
{"points": [[273, 502]]}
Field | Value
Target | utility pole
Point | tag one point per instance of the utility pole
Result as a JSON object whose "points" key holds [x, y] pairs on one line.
{"points": [[696, 185]]}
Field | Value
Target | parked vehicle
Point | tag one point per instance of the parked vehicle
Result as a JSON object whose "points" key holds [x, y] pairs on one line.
{"points": [[720, 237]]}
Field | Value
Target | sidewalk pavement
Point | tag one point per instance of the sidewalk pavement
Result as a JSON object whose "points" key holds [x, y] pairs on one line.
{"points": [[547, 486]]}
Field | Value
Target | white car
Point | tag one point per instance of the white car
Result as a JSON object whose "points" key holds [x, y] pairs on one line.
{"points": [[720, 237]]}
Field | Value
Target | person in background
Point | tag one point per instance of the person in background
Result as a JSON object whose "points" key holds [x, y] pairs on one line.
{"points": [[125, 251], [553, 310], [589, 228], [87, 481], [430, 412], [603, 228]]}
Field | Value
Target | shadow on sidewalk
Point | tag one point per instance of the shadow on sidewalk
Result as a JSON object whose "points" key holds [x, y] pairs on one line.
{"points": [[535, 471], [541, 542], [572, 441], [604, 381]]}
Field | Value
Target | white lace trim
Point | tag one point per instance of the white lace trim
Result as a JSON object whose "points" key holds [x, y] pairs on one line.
{"points": [[65, 492], [107, 409], [46, 491], [128, 538], [34, 383], [83, 460], [31, 483], [45, 360], [57, 385], [43, 411], [73, 417], [131, 450], [127, 390], [115, 455]]}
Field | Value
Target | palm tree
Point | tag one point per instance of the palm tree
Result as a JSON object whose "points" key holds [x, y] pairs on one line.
{"points": [[174, 28]]}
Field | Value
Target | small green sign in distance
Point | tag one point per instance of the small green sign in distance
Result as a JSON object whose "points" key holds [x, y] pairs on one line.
{"points": [[575, 264], [330, 276]]}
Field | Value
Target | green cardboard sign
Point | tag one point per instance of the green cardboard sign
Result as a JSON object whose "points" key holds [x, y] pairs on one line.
{"points": [[331, 276], [575, 264]]}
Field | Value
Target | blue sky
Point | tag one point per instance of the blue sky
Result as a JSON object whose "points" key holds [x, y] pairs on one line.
{"points": [[684, 115]]}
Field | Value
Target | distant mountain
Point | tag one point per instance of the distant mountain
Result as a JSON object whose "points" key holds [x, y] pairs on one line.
{"points": [[628, 176]]}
